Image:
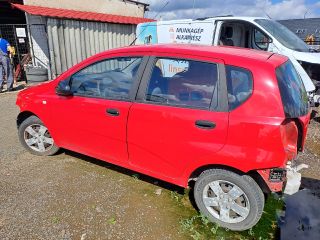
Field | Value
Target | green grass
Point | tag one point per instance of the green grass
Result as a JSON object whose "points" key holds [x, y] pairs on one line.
{"points": [[112, 221], [267, 226], [55, 220], [198, 227], [135, 176]]}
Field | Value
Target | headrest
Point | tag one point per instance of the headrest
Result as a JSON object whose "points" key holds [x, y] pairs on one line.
{"points": [[156, 72]]}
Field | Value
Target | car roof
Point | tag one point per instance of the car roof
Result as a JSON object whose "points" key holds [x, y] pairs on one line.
{"points": [[219, 52]]}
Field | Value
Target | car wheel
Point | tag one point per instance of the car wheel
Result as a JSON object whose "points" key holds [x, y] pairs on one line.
{"points": [[231, 200], [35, 137]]}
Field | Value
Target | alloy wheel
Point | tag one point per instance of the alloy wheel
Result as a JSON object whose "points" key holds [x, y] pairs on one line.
{"points": [[38, 138], [226, 201]]}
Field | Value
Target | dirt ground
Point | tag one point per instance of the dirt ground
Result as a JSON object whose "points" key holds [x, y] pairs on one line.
{"points": [[311, 154], [70, 196]]}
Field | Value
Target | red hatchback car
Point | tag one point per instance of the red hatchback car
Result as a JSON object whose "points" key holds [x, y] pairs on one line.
{"points": [[232, 120]]}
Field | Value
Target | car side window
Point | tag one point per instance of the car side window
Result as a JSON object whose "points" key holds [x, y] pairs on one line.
{"points": [[182, 82], [240, 85], [110, 78]]}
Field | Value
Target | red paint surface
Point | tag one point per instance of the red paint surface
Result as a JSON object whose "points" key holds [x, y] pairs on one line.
{"points": [[273, 186], [163, 141]]}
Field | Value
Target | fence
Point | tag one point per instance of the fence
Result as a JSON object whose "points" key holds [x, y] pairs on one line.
{"points": [[72, 41], [27, 50]]}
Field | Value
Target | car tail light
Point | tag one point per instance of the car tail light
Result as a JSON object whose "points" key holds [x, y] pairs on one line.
{"points": [[289, 134]]}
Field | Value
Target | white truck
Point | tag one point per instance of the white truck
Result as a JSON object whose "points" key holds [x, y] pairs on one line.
{"points": [[247, 32]]}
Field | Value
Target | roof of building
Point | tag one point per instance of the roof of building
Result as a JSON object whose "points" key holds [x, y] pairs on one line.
{"points": [[80, 15], [138, 2], [300, 19], [303, 27]]}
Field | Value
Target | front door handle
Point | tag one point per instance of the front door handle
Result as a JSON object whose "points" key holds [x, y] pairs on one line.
{"points": [[113, 112], [205, 124]]}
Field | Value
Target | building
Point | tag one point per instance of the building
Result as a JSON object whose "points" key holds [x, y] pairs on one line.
{"points": [[304, 28], [61, 33]]}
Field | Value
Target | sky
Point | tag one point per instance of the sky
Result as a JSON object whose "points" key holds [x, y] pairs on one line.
{"points": [[276, 9]]}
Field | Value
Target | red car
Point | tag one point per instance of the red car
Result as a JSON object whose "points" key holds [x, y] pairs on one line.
{"points": [[231, 120]]}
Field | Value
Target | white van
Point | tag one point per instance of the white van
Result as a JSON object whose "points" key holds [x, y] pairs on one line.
{"points": [[248, 32]]}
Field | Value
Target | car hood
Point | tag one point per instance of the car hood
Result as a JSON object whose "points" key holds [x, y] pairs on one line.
{"points": [[311, 57], [31, 92]]}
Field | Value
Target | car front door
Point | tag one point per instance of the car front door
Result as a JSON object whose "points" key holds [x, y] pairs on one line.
{"points": [[93, 120], [179, 118]]}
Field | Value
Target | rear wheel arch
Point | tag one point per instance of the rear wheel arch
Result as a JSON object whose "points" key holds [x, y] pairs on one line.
{"points": [[196, 173], [253, 174]]}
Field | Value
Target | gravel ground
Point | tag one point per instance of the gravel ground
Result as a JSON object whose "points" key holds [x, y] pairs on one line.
{"points": [[70, 196], [311, 154]]}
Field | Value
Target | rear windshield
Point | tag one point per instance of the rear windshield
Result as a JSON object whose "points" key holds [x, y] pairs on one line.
{"points": [[293, 94]]}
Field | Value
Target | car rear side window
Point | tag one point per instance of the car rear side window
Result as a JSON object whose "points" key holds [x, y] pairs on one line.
{"points": [[110, 78], [293, 94], [240, 85], [182, 82]]}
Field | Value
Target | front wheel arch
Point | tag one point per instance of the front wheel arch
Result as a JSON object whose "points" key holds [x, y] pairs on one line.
{"points": [[33, 141], [23, 116]]}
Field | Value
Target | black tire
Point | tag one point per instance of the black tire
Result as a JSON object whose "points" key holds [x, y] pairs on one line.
{"points": [[252, 193], [34, 121]]}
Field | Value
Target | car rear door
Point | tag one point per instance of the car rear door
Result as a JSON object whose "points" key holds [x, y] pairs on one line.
{"points": [[94, 120], [180, 117]]}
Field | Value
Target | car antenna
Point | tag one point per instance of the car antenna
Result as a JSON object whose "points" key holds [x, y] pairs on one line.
{"points": [[147, 26]]}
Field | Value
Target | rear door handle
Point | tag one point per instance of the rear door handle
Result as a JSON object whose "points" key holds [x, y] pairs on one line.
{"points": [[113, 112], [205, 124]]}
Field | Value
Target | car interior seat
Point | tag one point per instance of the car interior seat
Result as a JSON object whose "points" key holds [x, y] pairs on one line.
{"points": [[194, 86], [157, 83]]}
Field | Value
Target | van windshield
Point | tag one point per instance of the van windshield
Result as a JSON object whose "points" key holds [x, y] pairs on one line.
{"points": [[283, 35], [293, 94]]}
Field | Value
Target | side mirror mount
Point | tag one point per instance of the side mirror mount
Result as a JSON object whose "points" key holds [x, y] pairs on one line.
{"points": [[63, 89]]}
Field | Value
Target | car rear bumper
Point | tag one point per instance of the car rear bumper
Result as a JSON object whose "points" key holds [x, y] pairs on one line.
{"points": [[286, 180], [274, 185]]}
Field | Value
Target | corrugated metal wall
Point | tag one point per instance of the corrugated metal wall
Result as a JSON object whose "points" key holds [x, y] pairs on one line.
{"points": [[72, 41]]}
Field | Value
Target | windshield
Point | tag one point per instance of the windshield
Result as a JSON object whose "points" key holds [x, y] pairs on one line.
{"points": [[293, 94], [283, 35]]}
